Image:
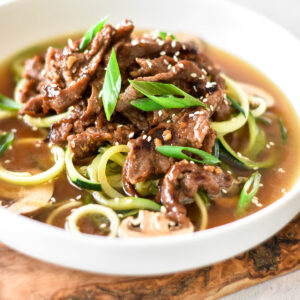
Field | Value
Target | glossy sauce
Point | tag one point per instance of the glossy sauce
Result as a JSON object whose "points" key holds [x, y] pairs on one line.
{"points": [[275, 183]]}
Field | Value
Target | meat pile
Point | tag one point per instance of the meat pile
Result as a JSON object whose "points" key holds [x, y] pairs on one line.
{"points": [[62, 78]]}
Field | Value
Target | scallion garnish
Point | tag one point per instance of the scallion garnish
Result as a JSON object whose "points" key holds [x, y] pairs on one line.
{"points": [[236, 105], [163, 35], [248, 192], [282, 130], [164, 94], [111, 86], [91, 33], [204, 197], [264, 120], [146, 104], [5, 141], [8, 104], [177, 152]]}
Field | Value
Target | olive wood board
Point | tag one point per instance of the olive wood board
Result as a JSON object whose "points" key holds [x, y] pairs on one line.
{"points": [[22, 277]]}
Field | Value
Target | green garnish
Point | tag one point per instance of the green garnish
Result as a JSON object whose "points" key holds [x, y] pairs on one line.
{"points": [[204, 198], [177, 152], [111, 86], [164, 95], [8, 104], [146, 104], [164, 35], [91, 33], [282, 130], [248, 192], [236, 106], [5, 141]]}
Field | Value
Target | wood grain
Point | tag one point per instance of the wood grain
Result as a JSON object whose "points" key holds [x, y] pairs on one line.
{"points": [[22, 277]]}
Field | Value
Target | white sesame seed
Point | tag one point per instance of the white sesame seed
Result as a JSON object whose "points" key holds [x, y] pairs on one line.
{"points": [[255, 201], [173, 44], [103, 225], [283, 190], [191, 115], [195, 88], [261, 184], [163, 209], [229, 172], [255, 168], [78, 197], [239, 154], [149, 138], [70, 43], [14, 130], [177, 53], [204, 71], [211, 107], [204, 100], [134, 42], [184, 47], [181, 65], [131, 135], [268, 146], [52, 199], [175, 58], [168, 121], [193, 75], [160, 42], [173, 69], [280, 170], [144, 136], [160, 113], [37, 145], [116, 143], [224, 191], [149, 63], [271, 143], [165, 62], [7, 161], [173, 115], [169, 67], [120, 125], [72, 200], [163, 53]]}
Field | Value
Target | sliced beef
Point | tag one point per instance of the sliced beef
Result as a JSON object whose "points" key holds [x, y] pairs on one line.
{"points": [[183, 181]]}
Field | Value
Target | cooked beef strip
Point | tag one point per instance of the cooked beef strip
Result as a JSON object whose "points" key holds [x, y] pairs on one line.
{"points": [[183, 181]]}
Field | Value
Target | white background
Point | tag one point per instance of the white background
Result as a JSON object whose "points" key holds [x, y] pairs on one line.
{"points": [[287, 14]]}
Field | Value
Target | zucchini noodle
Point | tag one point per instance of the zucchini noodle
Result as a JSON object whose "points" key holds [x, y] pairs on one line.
{"points": [[46, 122], [235, 123], [61, 208], [4, 114], [25, 178], [78, 213], [260, 109], [101, 170], [252, 134], [203, 211]]}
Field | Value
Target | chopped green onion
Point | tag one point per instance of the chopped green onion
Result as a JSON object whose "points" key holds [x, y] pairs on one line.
{"points": [[91, 33], [236, 105], [8, 104], [146, 104], [167, 91], [248, 192], [164, 35], [204, 197], [264, 120], [5, 141], [177, 152], [111, 86], [282, 130]]}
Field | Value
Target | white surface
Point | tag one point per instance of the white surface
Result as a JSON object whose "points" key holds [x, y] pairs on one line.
{"points": [[152, 256], [287, 287]]}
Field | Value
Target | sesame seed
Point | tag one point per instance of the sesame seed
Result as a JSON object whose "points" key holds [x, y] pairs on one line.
{"points": [[204, 100], [160, 42], [261, 184], [283, 190], [149, 138], [169, 67], [280, 170], [131, 135], [144, 136], [271, 143], [173, 44], [163, 53], [14, 130], [160, 113], [181, 65], [7, 161], [204, 71], [173, 69], [149, 63], [72, 200], [184, 47], [134, 42], [168, 121], [239, 154], [268, 146], [70, 43], [52, 199], [120, 125], [163, 209], [103, 225], [175, 58], [229, 172], [255, 201], [116, 143], [224, 191], [193, 75], [165, 61], [191, 115], [195, 88], [177, 53], [78, 197], [255, 168], [211, 107]]}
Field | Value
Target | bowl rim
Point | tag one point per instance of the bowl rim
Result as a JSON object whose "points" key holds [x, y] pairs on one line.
{"points": [[169, 240]]}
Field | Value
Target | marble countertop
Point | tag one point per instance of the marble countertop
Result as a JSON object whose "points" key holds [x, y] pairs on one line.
{"points": [[287, 287]]}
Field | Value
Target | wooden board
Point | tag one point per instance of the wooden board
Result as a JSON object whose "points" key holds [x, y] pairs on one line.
{"points": [[25, 278]]}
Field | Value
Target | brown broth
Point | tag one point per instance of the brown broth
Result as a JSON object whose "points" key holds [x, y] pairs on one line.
{"points": [[275, 183]]}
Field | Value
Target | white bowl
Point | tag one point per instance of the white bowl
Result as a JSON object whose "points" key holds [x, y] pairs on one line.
{"points": [[253, 38]]}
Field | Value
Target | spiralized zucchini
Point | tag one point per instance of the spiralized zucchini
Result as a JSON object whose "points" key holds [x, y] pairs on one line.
{"points": [[25, 178], [261, 107], [46, 122], [235, 123], [203, 211], [80, 212], [5, 114]]}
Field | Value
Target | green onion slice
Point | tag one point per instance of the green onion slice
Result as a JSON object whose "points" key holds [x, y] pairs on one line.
{"points": [[236, 105], [248, 192], [8, 104], [164, 94], [5, 141], [91, 33], [177, 152], [111, 86], [264, 120], [163, 35], [146, 104], [282, 130]]}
